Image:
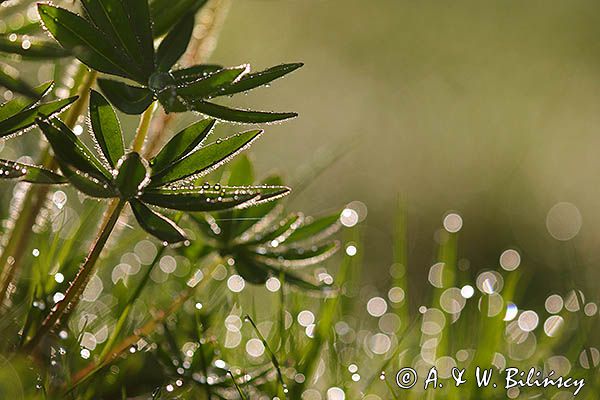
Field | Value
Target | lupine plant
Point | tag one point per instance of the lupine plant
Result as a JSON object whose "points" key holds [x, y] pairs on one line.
{"points": [[142, 258]]}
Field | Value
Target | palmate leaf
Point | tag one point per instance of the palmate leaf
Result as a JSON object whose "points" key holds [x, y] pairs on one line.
{"points": [[175, 43], [28, 116], [167, 13], [86, 42], [279, 233], [207, 158], [129, 99], [182, 144], [156, 224], [207, 198], [36, 48], [106, 127], [69, 150], [29, 173]]}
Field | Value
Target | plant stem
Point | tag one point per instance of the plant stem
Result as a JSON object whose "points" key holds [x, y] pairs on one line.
{"points": [[142, 130], [83, 275], [11, 257]]}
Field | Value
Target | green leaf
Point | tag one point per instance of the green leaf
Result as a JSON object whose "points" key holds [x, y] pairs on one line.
{"points": [[32, 48], [251, 216], [131, 100], [106, 127], [18, 104], [281, 232], [182, 144], [167, 13], [237, 115], [16, 85], [29, 173], [175, 43], [71, 151], [199, 198], [192, 74], [207, 158], [156, 224], [132, 175], [316, 230], [86, 183], [111, 17], [28, 117], [299, 257], [212, 84], [250, 269], [254, 80], [240, 172], [86, 42], [209, 198]]}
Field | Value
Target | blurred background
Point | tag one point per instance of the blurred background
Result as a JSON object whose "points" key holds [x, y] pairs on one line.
{"points": [[488, 109]]}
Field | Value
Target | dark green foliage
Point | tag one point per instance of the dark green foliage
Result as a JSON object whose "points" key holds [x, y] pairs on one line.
{"points": [[116, 38], [264, 244], [158, 181]]}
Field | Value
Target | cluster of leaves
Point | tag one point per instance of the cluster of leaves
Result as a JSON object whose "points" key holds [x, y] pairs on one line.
{"points": [[117, 38], [168, 180], [261, 242], [241, 221]]}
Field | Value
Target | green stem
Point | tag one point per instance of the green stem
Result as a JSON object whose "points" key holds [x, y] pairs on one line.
{"points": [[81, 279], [12, 256], [142, 130]]}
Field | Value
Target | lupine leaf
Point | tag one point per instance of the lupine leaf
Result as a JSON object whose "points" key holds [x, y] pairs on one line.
{"points": [[71, 151], [132, 175], [256, 79], [28, 117], [250, 269], [167, 13], [237, 115], [182, 144], [286, 227], [29, 173], [248, 217], [198, 198], [192, 74], [86, 42], [106, 128], [86, 183], [36, 48], [18, 104], [240, 171], [111, 17], [207, 158], [16, 85], [299, 257], [207, 198], [138, 13], [156, 224], [129, 99], [212, 84], [316, 230], [175, 43]]}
